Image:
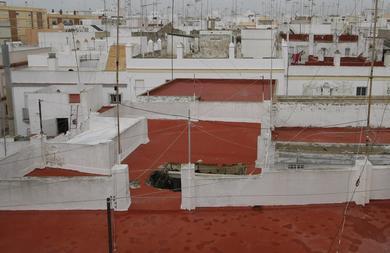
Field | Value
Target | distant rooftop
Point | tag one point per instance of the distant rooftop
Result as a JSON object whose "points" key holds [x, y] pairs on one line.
{"points": [[102, 130], [228, 90]]}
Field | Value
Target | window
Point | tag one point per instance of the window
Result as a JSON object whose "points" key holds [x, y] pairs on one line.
{"points": [[361, 91], [295, 166], [113, 99], [347, 51]]}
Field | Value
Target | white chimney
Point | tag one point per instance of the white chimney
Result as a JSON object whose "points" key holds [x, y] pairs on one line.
{"points": [[129, 50], [159, 44], [180, 50], [67, 49], [337, 58], [285, 54], [231, 51], [52, 61], [311, 44], [321, 56], [150, 46], [387, 59]]}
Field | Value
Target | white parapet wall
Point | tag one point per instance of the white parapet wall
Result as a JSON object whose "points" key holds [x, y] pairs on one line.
{"points": [[22, 162], [286, 187], [95, 150], [85, 158], [11, 146], [66, 193], [214, 111], [328, 114]]}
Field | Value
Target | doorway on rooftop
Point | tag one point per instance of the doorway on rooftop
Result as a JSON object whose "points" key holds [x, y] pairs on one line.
{"points": [[62, 125]]}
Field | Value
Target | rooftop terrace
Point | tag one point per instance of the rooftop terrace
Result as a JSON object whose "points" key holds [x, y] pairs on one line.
{"points": [[227, 90]]}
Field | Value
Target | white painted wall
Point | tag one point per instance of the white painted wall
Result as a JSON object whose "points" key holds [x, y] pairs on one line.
{"points": [[186, 41], [85, 158], [285, 187], [60, 41], [217, 111], [328, 114], [97, 158], [154, 72], [20, 163], [12, 146], [19, 55], [54, 105], [257, 43], [59, 193], [308, 80], [31, 81], [308, 28]]}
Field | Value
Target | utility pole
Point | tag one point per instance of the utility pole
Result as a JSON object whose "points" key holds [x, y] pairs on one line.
{"points": [[110, 248], [201, 15], [117, 84], [4, 125], [41, 133], [172, 47], [189, 136], [373, 58], [338, 7], [106, 25], [40, 116], [9, 91]]}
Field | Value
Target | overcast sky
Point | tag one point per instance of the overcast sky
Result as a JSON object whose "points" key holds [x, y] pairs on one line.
{"points": [[259, 6]]}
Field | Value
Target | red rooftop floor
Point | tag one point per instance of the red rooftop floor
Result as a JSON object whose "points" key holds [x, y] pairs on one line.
{"points": [[303, 229], [211, 142], [240, 90], [332, 135], [154, 223], [57, 172]]}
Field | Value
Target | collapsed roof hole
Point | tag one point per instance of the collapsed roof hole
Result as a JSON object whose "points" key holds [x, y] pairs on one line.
{"points": [[168, 175], [163, 179]]}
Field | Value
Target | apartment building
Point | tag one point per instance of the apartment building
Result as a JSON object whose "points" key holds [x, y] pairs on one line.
{"points": [[15, 21]]}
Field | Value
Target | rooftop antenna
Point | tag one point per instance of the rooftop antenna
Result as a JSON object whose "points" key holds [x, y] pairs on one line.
{"points": [[106, 24], [129, 14], [77, 61], [172, 47], [201, 14], [373, 58], [117, 82]]}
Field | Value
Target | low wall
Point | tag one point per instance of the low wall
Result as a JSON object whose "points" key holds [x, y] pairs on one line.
{"points": [[132, 138], [285, 187], [86, 158], [218, 111], [323, 114], [12, 147], [22, 162], [97, 158], [62, 193]]}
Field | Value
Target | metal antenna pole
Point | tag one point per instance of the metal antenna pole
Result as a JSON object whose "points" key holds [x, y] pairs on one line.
{"points": [[189, 137], [41, 133], [109, 225], [3, 123], [373, 58], [201, 15], [7, 82], [172, 13], [40, 115], [117, 83], [106, 25], [338, 7]]}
